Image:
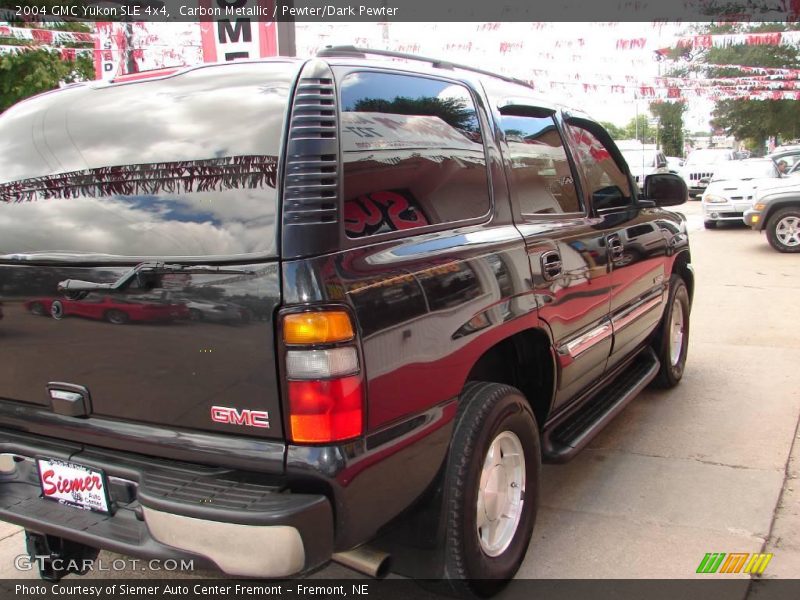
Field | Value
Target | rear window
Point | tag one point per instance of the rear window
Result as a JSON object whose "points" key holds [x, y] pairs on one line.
{"points": [[179, 167], [413, 154]]}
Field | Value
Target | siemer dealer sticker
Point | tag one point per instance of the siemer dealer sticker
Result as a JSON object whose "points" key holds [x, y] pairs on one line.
{"points": [[73, 484]]}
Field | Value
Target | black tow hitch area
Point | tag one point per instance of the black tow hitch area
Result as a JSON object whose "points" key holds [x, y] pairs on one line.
{"points": [[57, 557]]}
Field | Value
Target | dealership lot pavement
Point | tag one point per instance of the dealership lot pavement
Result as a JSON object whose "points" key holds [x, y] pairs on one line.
{"points": [[703, 468]]}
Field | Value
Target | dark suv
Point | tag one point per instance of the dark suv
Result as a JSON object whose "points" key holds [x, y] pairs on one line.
{"points": [[441, 295]]}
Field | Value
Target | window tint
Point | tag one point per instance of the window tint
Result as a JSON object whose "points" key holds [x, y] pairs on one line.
{"points": [[413, 154], [181, 166], [540, 172], [607, 184]]}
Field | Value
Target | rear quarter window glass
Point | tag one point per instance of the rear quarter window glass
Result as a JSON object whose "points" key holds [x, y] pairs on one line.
{"points": [[413, 154], [539, 169], [181, 166]]}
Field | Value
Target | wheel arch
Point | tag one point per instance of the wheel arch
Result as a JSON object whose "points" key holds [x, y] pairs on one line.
{"points": [[523, 360], [682, 265], [775, 206]]}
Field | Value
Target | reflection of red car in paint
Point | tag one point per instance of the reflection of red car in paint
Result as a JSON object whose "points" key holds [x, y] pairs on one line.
{"points": [[111, 309]]}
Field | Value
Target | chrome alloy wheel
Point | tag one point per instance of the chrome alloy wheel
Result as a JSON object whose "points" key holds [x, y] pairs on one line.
{"points": [[501, 493], [788, 231], [676, 331]]}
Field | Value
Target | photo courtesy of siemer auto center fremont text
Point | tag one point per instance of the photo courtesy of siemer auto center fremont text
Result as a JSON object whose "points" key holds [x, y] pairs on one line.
{"points": [[399, 299]]}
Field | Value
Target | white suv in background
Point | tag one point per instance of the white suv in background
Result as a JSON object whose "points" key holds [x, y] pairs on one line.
{"points": [[700, 165], [733, 187], [643, 162]]}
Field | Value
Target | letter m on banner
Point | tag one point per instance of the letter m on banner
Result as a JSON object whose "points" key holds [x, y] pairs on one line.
{"points": [[237, 33]]}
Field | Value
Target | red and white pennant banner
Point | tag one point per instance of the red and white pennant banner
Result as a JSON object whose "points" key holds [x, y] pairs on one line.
{"points": [[68, 54], [720, 40], [45, 36]]}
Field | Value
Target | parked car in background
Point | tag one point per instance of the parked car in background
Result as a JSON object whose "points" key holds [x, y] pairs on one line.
{"points": [[776, 210], [674, 164], [790, 155], [644, 162], [107, 308], [217, 312], [731, 189], [700, 166]]}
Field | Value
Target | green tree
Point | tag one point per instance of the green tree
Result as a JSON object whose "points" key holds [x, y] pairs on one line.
{"points": [[452, 111], [31, 72], [670, 126], [639, 128], [745, 119], [616, 132]]}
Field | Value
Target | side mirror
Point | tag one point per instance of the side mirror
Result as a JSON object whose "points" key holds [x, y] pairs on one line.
{"points": [[665, 189]]}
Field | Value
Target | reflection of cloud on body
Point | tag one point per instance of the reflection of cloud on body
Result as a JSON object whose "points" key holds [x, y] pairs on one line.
{"points": [[176, 167], [117, 227], [206, 113]]}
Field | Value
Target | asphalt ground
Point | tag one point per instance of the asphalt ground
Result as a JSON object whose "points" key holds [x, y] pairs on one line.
{"points": [[711, 466]]}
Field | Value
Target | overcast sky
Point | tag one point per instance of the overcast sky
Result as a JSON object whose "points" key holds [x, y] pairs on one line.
{"points": [[568, 55], [571, 54]]}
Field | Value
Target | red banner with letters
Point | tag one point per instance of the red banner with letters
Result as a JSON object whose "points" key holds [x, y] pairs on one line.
{"points": [[109, 47]]}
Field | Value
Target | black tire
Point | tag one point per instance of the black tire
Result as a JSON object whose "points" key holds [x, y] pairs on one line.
{"points": [[195, 315], [791, 212], [116, 317], [671, 371], [710, 224], [486, 411], [37, 308]]}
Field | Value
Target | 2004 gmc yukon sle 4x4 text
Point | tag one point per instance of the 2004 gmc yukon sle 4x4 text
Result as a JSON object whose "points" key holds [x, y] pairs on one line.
{"points": [[446, 289]]}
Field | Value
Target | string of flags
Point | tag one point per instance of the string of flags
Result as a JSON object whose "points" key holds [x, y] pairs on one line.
{"points": [[503, 42], [46, 36]]}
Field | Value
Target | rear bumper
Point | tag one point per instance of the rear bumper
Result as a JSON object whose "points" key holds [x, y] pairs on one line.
{"points": [[161, 509]]}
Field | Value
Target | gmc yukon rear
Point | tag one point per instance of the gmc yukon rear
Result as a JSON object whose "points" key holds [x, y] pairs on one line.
{"points": [[301, 306]]}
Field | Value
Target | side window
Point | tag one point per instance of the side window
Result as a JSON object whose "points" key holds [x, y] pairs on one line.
{"points": [[607, 184], [413, 154], [540, 172]]}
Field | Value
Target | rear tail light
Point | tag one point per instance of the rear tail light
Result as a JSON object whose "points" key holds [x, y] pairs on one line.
{"points": [[325, 383], [326, 411], [320, 327]]}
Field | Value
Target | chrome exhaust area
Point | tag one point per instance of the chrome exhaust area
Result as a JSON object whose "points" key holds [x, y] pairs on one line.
{"points": [[364, 559]]}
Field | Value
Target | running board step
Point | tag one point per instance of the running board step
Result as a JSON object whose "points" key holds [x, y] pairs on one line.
{"points": [[568, 435]]}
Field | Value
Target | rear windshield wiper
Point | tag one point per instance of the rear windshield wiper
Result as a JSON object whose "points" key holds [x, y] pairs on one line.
{"points": [[143, 274]]}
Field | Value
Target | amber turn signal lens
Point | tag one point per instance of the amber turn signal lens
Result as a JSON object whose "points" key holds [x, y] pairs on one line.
{"points": [[323, 327]]}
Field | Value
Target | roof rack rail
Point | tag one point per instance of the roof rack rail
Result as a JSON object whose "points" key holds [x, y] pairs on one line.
{"points": [[355, 52]]}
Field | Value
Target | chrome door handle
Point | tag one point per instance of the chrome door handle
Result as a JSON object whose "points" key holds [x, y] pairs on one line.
{"points": [[615, 246], [551, 265]]}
